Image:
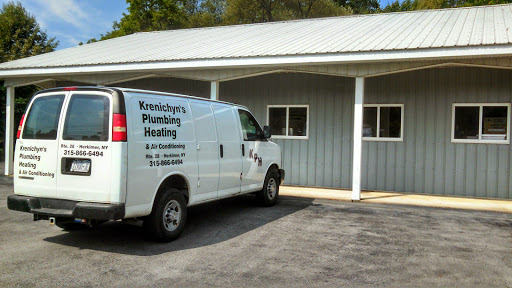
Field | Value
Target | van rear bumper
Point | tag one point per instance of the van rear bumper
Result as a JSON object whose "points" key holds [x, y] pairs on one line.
{"points": [[65, 208]]}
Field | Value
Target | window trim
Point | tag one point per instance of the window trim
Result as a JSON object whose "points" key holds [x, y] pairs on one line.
{"points": [[386, 139], [288, 119], [480, 119]]}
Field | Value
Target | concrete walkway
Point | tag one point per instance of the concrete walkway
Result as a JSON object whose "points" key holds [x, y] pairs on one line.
{"points": [[401, 198]]}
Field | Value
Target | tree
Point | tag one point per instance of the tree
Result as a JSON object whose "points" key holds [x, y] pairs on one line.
{"points": [[302, 9], [20, 37], [206, 13], [254, 11], [406, 5], [148, 15], [360, 6]]}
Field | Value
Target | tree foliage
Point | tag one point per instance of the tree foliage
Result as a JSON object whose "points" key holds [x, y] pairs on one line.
{"points": [[255, 11], [361, 6], [20, 37], [205, 13], [20, 34]]}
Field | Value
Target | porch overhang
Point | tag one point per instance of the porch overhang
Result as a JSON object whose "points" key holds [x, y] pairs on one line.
{"points": [[446, 54]]}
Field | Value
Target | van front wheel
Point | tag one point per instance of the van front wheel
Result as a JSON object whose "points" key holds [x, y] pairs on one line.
{"points": [[167, 220], [270, 192]]}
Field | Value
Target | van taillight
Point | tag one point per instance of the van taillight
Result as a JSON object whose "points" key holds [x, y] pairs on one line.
{"points": [[119, 127], [19, 127]]}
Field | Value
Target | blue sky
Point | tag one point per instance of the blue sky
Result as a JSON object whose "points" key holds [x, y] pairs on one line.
{"points": [[74, 21]]}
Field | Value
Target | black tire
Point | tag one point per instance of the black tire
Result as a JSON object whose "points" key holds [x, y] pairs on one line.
{"points": [[268, 195], [168, 217]]}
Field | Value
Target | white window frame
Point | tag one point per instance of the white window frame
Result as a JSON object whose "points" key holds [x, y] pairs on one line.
{"points": [[480, 119], [389, 139], [288, 119]]}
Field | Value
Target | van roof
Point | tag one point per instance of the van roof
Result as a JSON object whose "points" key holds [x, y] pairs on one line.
{"points": [[130, 90]]}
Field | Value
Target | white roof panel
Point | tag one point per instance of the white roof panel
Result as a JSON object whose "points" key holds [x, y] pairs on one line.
{"points": [[444, 28]]}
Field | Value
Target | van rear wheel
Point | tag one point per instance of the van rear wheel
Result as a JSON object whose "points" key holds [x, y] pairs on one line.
{"points": [[270, 192], [167, 220]]}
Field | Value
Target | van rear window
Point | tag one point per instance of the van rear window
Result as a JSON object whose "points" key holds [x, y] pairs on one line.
{"points": [[87, 118], [43, 118]]}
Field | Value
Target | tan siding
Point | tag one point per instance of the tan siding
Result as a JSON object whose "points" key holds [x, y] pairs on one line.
{"points": [[433, 164]]}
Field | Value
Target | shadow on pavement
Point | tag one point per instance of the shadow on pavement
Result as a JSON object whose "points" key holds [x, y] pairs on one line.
{"points": [[207, 224]]}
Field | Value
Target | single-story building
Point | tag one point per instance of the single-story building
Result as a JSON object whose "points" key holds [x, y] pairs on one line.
{"points": [[412, 102]]}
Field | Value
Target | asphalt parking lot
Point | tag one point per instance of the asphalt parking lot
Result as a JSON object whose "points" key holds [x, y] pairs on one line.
{"points": [[234, 243]]}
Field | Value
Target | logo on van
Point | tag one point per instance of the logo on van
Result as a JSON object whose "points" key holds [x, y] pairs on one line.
{"points": [[255, 157], [161, 107]]}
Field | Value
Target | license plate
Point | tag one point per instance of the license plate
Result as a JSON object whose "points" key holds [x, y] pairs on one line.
{"points": [[81, 166]]}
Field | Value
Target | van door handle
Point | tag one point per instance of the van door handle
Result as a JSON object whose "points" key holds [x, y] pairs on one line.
{"points": [[243, 150], [221, 151]]}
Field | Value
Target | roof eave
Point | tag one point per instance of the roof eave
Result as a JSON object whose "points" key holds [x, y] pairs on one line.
{"points": [[337, 58]]}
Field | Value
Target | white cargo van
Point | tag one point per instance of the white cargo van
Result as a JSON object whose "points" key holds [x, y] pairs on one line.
{"points": [[90, 154]]}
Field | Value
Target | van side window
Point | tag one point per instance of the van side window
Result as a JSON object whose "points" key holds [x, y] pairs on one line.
{"points": [[251, 130], [43, 118], [87, 118]]}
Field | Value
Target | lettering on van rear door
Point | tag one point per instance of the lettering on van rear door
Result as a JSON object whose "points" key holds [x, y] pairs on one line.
{"points": [[36, 147], [29, 159]]}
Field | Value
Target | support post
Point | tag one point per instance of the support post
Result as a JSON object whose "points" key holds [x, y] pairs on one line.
{"points": [[9, 131], [214, 90], [358, 139]]}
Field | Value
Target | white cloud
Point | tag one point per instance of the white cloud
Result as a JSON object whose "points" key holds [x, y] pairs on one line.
{"points": [[83, 20], [68, 11]]}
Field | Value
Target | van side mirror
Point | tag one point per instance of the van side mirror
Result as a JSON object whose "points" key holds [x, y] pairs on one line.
{"points": [[267, 132]]}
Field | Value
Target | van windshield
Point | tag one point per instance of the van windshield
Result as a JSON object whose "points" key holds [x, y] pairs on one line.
{"points": [[43, 118], [87, 118]]}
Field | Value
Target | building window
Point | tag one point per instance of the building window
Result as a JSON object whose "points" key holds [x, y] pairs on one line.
{"points": [[383, 122], [288, 121], [481, 123]]}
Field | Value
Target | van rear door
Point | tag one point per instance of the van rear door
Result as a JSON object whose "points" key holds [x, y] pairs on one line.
{"points": [[84, 151], [37, 147]]}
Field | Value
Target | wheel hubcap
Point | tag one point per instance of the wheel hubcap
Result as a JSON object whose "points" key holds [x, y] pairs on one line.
{"points": [[271, 188], [172, 215]]}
